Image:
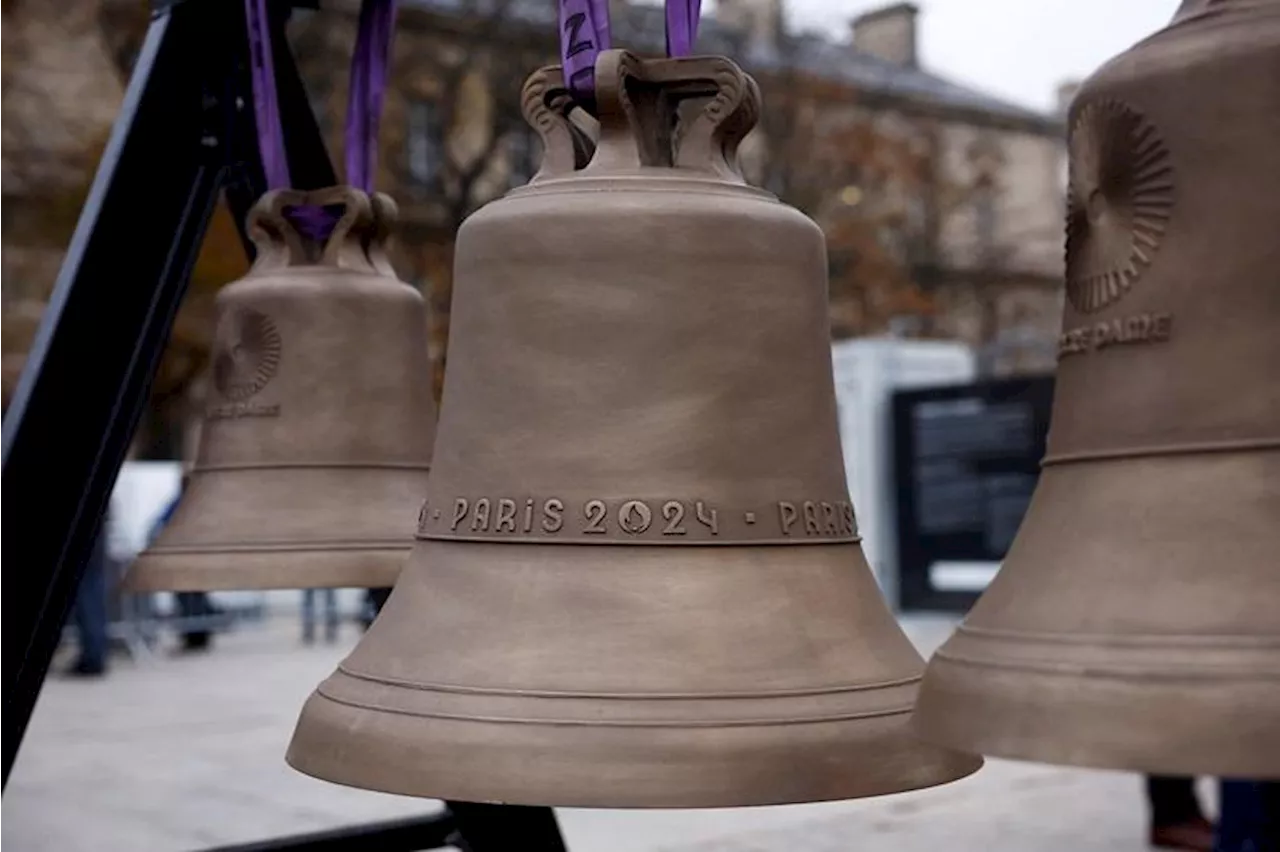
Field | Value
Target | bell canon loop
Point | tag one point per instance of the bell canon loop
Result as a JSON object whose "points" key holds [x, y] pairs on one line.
{"points": [[317, 438], [1134, 624], [637, 581]]}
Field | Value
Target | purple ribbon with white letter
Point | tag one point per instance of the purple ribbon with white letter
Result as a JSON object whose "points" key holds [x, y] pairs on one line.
{"points": [[584, 32], [369, 65]]}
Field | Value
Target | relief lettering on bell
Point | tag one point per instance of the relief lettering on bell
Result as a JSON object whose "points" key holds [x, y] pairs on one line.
{"points": [[317, 437], [1133, 623], [632, 521], [637, 580]]}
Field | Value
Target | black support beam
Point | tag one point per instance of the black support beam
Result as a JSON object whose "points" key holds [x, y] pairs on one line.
{"points": [[184, 135]]}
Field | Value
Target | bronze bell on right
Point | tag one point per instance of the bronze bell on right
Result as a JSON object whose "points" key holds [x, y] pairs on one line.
{"points": [[637, 581], [1135, 623]]}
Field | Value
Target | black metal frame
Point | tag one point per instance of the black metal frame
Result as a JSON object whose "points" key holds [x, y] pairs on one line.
{"points": [[185, 133], [467, 826]]}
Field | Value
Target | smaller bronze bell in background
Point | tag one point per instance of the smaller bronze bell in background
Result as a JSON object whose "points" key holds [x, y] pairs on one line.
{"points": [[315, 445]]}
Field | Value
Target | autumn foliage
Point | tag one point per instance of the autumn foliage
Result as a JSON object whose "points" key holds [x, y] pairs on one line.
{"points": [[873, 179]]}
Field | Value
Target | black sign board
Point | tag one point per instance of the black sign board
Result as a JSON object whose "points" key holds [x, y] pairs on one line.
{"points": [[965, 461]]}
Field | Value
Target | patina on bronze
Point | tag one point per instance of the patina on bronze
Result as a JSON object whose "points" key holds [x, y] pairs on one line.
{"points": [[316, 441], [638, 581], [1136, 622]]}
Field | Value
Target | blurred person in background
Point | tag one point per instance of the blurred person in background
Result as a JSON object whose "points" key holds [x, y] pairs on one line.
{"points": [[374, 600], [89, 612], [1177, 821], [192, 606], [309, 615]]}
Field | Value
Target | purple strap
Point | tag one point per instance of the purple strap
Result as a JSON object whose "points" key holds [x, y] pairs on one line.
{"points": [[682, 26], [266, 107], [368, 84], [364, 106], [584, 32]]}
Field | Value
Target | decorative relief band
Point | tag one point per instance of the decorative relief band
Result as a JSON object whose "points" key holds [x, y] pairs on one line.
{"points": [[635, 521], [327, 691], [1197, 448], [311, 465], [310, 546], [794, 692], [1141, 669]]}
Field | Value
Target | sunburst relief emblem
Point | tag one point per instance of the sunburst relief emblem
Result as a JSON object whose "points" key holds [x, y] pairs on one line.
{"points": [[1119, 199], [246, 353]]}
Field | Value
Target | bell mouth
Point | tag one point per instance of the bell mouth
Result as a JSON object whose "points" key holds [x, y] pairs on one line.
{"points": [[317, 565], [283, 527], [596, 766], [1164, 723], [1132, 626], [686, 677]]}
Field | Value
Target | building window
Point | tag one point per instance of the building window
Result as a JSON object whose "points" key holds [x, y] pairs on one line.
{"points": [[523, 148], [425, 142]]}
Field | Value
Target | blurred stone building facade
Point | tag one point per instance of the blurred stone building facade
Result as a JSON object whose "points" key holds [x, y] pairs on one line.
{"points": [[942, 205], [956, 232]]}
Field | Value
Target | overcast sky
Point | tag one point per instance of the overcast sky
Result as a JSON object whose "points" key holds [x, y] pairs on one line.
{"points": [[1017, 49]]}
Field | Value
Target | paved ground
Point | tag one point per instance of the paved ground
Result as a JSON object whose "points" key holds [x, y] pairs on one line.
{"points": [[180, 753]]}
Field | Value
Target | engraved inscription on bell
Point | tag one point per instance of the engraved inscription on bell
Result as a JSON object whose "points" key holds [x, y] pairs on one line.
{"points": [[668, 521]]}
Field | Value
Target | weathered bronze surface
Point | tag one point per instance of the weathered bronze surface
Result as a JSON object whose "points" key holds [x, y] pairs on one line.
{"points": [[638, 581], [315, 447], [1136, 621]]}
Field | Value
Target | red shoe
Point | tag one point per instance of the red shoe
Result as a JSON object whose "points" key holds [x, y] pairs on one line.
{"points": [[1195, 835]]}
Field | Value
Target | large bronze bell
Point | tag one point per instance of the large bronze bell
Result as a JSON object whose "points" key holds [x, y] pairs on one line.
{"points": [[315, 447], [1136, 621], [637, 581]]}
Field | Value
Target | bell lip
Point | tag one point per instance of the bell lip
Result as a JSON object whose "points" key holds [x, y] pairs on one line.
{"points": [[1185, 682], [1113, 720], [361, 732], [314, 567]]}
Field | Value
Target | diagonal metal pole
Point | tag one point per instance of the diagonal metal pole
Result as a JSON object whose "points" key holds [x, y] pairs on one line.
{"points": [[83, 386], [184, 130], [183, 134]]}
